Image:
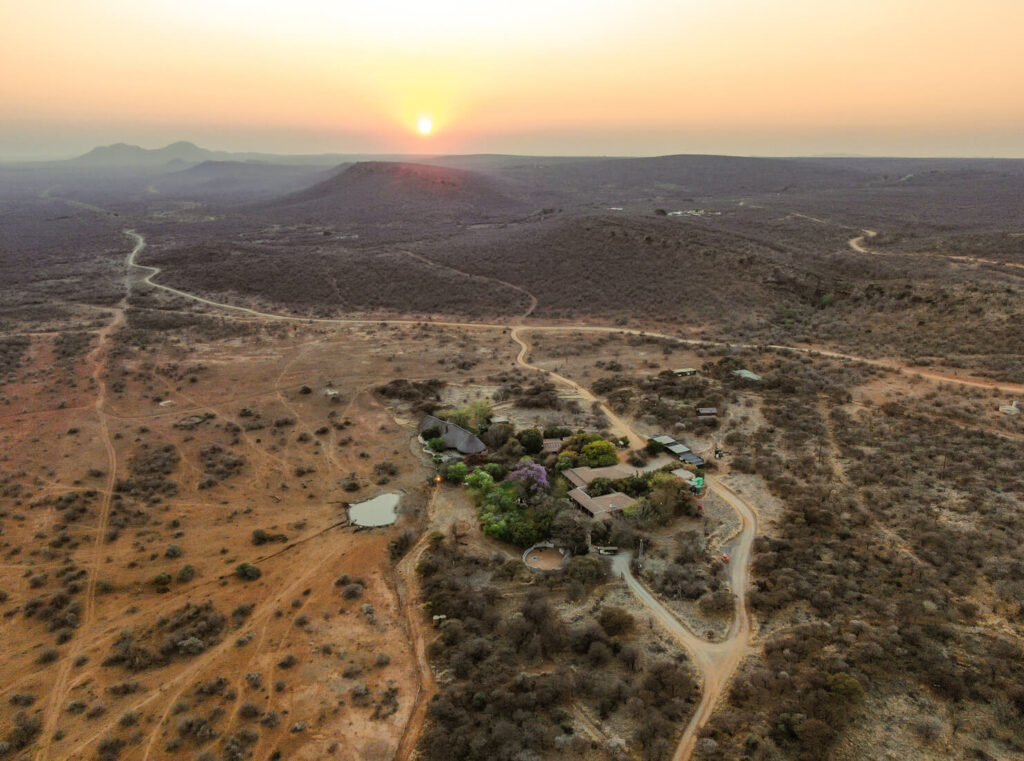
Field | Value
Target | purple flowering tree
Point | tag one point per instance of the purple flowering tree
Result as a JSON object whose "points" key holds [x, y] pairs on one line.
{"points": [[532, 477]]}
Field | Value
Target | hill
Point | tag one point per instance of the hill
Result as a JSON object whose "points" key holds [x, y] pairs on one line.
{"points": [[393, 193], [680, 177], [239, 180], [123, 154], [617, 266]]}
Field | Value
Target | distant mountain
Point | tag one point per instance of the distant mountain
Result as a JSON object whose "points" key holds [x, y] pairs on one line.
{"points": [[123, 154], [682, 176], [379, 192], [183, 153], [238, 181]]}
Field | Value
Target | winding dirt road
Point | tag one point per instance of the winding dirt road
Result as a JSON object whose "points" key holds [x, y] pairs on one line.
{"points": [[617, 425], [857, 244], [716, 661], [1016, 388]]}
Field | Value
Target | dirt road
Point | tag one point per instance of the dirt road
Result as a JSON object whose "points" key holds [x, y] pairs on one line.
{"points": [[420, 635], [618, 426], [1016, 388], [857, 244], [716, 661]]}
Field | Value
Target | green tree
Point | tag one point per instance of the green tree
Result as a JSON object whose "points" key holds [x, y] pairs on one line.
{"points": [[598, 454], [654, 447], [456, 472], [459, 416], [479, 412], [532, 441], [480, 480], [670, 496], [845, 687], [247, 571]]}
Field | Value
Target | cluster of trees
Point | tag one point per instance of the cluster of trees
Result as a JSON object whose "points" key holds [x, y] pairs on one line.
{"points": [[522, 499], [188, 631], [218, 464], [312, 281], [494, 708], [423, 396], [666, 399], [538, 394], [12, 349], [70, 344], [516, 509], [474, 416], [888, 551], [149, 327], [586, 449], [149, 467]]}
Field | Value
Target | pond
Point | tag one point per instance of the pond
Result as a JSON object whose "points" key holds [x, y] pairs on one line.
{"points": [[379, 511]]}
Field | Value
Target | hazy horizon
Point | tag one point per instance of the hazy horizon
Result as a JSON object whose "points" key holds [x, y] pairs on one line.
{"points": [[736, 77], [293, 151]]}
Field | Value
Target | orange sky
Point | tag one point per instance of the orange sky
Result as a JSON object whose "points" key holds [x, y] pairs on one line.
{"points": [[784, 77]]}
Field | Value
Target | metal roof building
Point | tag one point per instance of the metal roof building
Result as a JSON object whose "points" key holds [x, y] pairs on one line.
{"points": [[692, 459], [746, 374], [455, 437]]}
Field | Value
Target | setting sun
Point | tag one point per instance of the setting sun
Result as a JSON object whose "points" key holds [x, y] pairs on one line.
{"points": [[425, 125]]}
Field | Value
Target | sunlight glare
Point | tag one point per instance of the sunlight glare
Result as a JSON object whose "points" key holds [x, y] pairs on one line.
{"points": [[424, 124]]}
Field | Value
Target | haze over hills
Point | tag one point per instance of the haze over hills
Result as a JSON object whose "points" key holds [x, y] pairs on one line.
{"points": [[527, 381], [377, 192], [124, 155], [190, 279], [237, 180]]}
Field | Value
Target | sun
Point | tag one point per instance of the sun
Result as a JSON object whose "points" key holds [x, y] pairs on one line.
{"points": [[425, 124]]}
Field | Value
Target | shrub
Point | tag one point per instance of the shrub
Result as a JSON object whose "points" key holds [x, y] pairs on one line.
{"points": [[616, 621], [248, 571], [532, 441], [249, 710], [586, 569], [598, 454], [456, 473]]}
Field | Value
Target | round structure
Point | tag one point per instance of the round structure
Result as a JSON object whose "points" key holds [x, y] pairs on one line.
{"points": [[544, 556]]}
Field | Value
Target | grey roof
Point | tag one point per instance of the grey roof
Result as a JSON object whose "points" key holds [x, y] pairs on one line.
{"points": [[455, 437], [691, 459], [707, 410], [744, 373], [664, 439], [677, 448]]}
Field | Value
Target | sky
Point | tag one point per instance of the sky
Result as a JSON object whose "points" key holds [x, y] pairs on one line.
{"points": [[542, 77]]}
